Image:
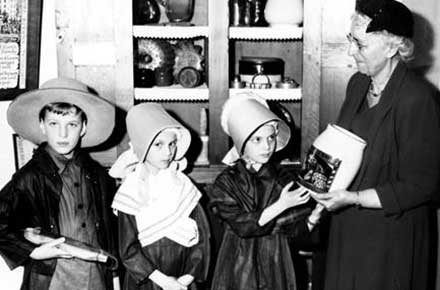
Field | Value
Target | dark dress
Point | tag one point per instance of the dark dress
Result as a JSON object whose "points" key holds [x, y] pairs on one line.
{"points": [[388, 248], [253, 256], [164, 255]]}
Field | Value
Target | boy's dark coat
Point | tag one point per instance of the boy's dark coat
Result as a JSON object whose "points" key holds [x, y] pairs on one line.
{"points": [[31, 199]]}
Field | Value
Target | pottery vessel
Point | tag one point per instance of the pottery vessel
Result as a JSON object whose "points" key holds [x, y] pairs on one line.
{"points": [[280, 13], [333, 160]]}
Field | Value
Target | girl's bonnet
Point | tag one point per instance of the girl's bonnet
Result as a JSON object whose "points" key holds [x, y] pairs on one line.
{"points": [[144, 122], [242, 115]]}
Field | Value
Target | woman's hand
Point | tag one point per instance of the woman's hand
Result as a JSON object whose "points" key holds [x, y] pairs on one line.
{"points": [[295, 197], [50, 250], [335, 199]]}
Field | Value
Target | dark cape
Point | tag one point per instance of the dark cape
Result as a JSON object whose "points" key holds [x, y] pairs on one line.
{"points": [[164, 255], [253, 256]]}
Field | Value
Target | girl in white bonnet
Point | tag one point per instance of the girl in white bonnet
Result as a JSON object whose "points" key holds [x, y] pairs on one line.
{"points": [[253, 197], [163, 230]]}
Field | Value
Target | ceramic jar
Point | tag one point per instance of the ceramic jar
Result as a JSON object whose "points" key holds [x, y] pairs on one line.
{"points": [[284, 12], [179, 11], [333, 160], [145, 12]]}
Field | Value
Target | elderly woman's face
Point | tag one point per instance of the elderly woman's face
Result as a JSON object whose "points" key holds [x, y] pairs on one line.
{"points": [[369, 50]]}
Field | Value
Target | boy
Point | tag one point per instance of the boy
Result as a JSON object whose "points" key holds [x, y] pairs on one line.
{"points": [[61, 189]]}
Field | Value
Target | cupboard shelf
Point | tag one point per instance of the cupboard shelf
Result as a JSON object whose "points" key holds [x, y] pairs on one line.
{"points": [[272, 94], [266, 33], [174, 93], [173, 32], [223, 45]]}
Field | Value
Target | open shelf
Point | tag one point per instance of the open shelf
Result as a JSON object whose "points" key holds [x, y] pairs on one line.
{"points": [[173, 32], [172, 93], [271, 94], [266, 33]]}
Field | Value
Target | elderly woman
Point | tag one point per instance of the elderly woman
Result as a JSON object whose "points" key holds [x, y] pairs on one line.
{"points": [[379, 231]]}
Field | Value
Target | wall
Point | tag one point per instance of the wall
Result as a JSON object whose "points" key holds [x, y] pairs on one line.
{"points": [[337, 66], [7, 165], [92, 40]]}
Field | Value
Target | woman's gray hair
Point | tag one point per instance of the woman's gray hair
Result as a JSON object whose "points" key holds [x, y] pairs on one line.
{"points": [[405, 46]]}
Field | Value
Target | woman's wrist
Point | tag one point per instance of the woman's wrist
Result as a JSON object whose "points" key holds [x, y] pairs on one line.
{"points": [[357, 199]]}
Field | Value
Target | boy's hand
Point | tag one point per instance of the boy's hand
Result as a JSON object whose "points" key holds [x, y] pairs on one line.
{"points": [[293, 198], [50, 250]]}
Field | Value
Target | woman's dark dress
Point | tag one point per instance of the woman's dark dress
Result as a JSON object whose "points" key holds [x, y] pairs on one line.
{"points": [[387, 249], [251, 256], [164, 255]]}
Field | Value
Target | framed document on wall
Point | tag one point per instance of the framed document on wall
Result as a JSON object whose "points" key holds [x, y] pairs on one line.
{"points": [[23, 150], [20, 30]]}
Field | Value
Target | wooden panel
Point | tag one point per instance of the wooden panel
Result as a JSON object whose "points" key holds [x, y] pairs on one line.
{"points": [[123, 74], [337, 68], [123, 81], [65, 36], [311, 73], [86, 24], [334, 81], [218, 78], [337, 65]]}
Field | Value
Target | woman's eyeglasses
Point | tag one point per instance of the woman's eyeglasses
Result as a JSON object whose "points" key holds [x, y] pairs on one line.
{"points": [[356, 42]]}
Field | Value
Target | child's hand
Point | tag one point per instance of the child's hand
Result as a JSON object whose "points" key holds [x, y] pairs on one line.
{"points": [[50, 250], [293, 198], [315, 216], [185, 279], [171, 283]]}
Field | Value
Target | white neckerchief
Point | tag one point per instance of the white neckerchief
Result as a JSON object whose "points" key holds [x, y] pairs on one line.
{"points": [[161, 204]]}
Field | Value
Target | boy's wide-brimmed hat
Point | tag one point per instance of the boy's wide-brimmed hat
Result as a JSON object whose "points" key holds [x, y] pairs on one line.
{"points": [[23, 113], [389, 15], [145, 121], [243, 114]]}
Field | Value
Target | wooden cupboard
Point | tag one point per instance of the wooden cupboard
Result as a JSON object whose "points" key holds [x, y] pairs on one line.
{"points": [[223, 45]]}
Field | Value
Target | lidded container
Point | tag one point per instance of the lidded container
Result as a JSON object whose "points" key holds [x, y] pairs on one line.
{"points": [[333, 160], [258, 70]]}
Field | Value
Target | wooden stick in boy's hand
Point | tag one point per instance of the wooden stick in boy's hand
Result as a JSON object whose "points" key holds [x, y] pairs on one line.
{"points": [[58, 248]]}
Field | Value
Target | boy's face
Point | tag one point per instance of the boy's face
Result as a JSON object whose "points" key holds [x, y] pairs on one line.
{"points": [[63, 132], [261, 145], [162, 150]]}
